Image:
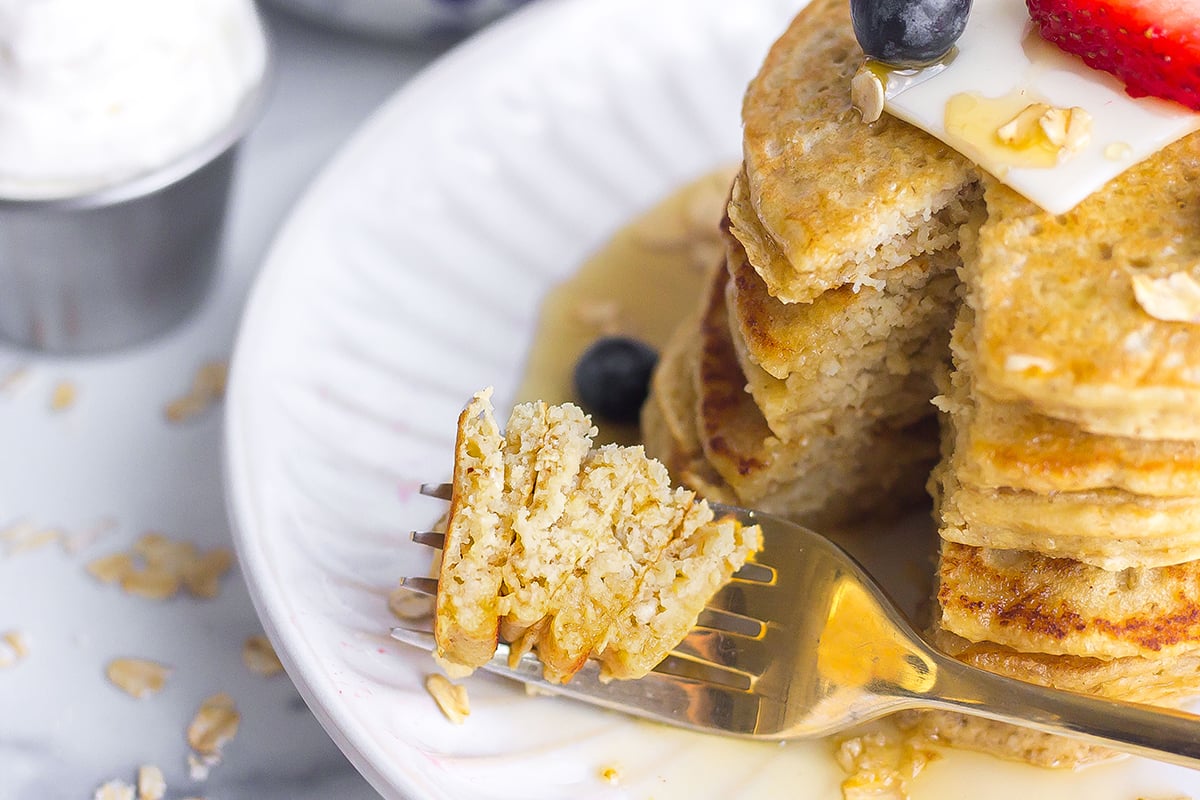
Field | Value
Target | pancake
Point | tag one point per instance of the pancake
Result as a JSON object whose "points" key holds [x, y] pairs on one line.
{"points": [[1057, 322], [1057, 606], [1066, 497], [1106, 528], [467, 622], [824, 480], [668, 420], [698, 561], [629, 498], [1008, 444], [1057, 489], [871, 352], [841, 201], [787, 338], [936, 233], [1158, 681]]}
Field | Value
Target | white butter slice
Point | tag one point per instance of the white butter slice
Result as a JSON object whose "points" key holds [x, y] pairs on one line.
{"points": [[1001, 55]]}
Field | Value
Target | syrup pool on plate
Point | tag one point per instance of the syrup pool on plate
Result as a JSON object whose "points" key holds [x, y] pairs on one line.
{"points": [[641, 283]]}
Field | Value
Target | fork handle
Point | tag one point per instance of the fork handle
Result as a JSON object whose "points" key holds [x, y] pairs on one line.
{"points": [[1163, 734]]}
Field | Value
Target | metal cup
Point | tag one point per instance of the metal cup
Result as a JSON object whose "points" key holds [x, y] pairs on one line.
{"points": [[119, 265]]}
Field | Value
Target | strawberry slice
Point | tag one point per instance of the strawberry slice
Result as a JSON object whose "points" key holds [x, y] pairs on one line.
{"points": [[1151, 45]]}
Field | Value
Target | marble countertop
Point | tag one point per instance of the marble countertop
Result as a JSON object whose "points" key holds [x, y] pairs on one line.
{"points": [[91, 463]]}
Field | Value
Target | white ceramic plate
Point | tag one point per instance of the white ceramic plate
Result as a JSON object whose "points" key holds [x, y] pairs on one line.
{"points": [[408, 278]]}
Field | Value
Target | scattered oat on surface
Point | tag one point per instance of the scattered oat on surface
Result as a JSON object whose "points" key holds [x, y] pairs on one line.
{"points": [[202, 575], [151, 783], [24, 536], [215, 723], [881, 764], [137, 677], [152, 583], [451, 698], [1175, 298], [158, 567], [610, 774], [207, 389], [111, 569], [161, 551], [14, 647], [410, 606], [199, 767], [18, 642], [114, 790], [259, 657], [63, 396], [73, 543], [35, 541], [12, 378]]}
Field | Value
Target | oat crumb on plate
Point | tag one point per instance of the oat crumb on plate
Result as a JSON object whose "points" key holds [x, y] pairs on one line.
{"points": [[410, 606], [451, 698], [881, 763]]}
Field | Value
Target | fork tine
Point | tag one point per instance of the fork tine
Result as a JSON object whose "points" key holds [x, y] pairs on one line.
{"points": [[685, 699], [442, 491], [421, 585], [753, 599], [753, 572], [703, 671], [417, 638], [750, 656], [730, 622], [430, 538]]}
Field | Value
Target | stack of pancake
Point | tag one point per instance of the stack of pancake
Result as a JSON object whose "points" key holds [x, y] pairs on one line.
{"points": [[1068, 491], [835, 306]]}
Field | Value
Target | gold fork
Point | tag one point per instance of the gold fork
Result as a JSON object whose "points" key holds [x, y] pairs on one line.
{"points": [[803, 643]]}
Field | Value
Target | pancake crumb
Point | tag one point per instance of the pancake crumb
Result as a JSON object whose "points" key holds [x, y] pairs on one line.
{"points": [[451, 698]]}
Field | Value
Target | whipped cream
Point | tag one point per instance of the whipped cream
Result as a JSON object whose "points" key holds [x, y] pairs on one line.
{"points": [[93, 92]]}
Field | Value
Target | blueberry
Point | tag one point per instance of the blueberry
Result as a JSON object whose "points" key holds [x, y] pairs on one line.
{"points": [[612, 377], [908, 33]]}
